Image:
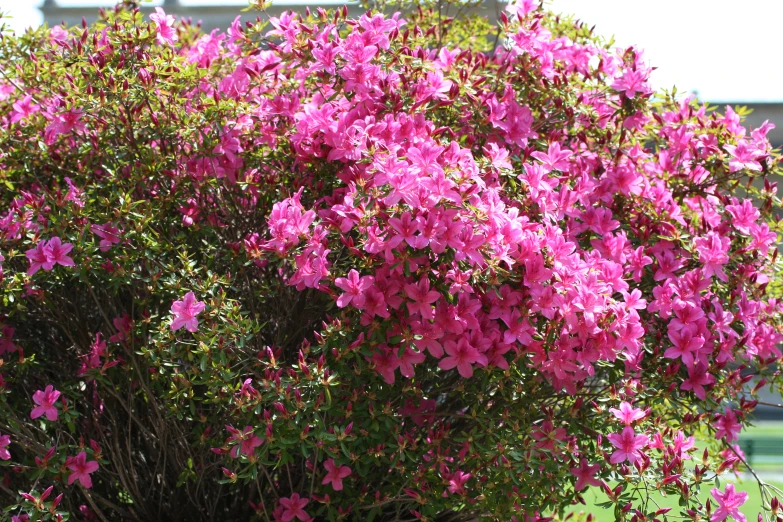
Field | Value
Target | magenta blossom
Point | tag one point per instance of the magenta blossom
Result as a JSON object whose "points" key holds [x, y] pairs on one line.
{"points": [[457, 482], [81, 469], [23, 109], [585, 475], [165, 26], [421, 298], [64, 123], [46, 254], [45, 400], [386, 362], [58, 34], [698, 378], [713, 252], [248, 442], [727, 426], [185, 313], [632, 82], [293, 508], [729, 503], [743, 156], [37, 257], [109, 234], [335, 474], [627, 413], [547, 435], [462, 355], [354, 287], [5, 440], [57, 253], [6, 340], [629, 446]]}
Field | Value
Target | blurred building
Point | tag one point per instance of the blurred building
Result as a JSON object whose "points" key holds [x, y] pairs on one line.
{"points": [[770, 407], [220, 14]]}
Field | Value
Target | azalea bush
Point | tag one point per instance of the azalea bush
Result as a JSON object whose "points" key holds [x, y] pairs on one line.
{"points": [[322, 268]]}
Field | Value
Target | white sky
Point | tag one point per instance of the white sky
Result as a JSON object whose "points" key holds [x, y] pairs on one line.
{"points": [[724, 50]]}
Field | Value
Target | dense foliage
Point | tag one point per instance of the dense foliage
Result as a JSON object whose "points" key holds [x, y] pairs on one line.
{"points": [[340, 269]]}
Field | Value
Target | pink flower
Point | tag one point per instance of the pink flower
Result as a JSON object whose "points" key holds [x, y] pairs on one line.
{"points": [[457, 482], [743, 156], [23, 109], [713, 253], [292, 508], [386, 361], [335, 474], [727, 426], [407, 228], [627, 413], [37, 257], [58, 34], [190, 212], [419, 414], [354, 287], [45, 400], [97, 352], [408, 359], [682, 445], [685, 345], [46, 254], [6, 89], [63, 123], [629, 446], [522, 8], [698, 378], [732, 457], [185, 313], [421, 298], [109, 234], [553, 158], [547, 435], [744, 215], [462, 355], [515, 119], [5, 440], [248, 442], [762, 238], [166, 32], [57, 253], [81, 469], [124, 325], [632, 82], [585, 475], [729, 503], [6, 343]]}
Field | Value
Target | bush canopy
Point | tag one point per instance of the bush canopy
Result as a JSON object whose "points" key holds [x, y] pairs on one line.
{"points": [[382, 268]]}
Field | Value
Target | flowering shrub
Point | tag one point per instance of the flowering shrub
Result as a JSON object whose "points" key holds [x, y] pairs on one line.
{"points": [[328, 269]]}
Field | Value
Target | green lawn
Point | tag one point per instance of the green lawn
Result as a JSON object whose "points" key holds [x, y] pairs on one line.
{"points": [[751, 508], [768, 467], [761, 463], [766, 463], [765, 429]]}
